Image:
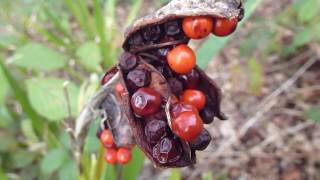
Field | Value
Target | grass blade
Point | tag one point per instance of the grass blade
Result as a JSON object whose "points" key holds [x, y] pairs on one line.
{"points": [[175, 174], [110, 16], [86, 16], [134, 12], [100, 26], [57, 23], [78, 14], [50, 36], [214, 44], [132, 170], [21, 96]]}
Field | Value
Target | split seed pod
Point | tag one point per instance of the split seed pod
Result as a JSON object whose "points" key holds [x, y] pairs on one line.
{"points": [[147, 42]]}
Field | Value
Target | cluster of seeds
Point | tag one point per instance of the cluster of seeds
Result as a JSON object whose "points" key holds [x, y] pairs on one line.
{"points": [[159, 69], [113, 154]]}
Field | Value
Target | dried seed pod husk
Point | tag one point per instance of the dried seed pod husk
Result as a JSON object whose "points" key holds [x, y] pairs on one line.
{"points": [[159, 83], [183, 8], [211, 89], [107, 103], [115, 108]]}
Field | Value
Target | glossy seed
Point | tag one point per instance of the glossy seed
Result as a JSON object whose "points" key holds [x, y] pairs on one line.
{"points": [[202, 141]]}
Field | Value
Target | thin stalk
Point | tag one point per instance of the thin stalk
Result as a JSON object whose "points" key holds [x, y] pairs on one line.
{"points": [[99, 165]]}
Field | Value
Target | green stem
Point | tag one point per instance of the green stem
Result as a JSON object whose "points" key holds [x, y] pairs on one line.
{"points": [[100, 164]]}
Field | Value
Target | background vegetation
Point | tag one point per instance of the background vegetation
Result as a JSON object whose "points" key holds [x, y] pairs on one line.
{"points": [[53, 48]]}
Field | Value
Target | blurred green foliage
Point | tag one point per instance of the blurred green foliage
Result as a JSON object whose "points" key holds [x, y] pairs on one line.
{"points": [[52, 53]]}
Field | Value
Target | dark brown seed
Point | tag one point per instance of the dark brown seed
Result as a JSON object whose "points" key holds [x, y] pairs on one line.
{"points": [[138, 78], [127, 61], [190, 80], [175, 85], [152, 33], [207, 115], [136, 40], [167, 151], [160, 115], [165, 71], [201, 142], [172, 28], [155, 130]]}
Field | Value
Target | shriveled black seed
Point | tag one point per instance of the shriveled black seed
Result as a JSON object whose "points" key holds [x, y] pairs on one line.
{"points": [[155, 130], [127, 61], [135, 39], [207, 115], [152, 33], [172, 28], [202, 141], [165, 71], [176, 86], [167, 151], [190, 80], [138, 78]]}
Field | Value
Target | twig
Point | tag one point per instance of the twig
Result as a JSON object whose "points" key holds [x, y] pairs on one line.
{"points": [[266, 105], [274, 137], [294, 61]]}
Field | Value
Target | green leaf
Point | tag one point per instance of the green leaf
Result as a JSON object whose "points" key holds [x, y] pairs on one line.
{"points": [[92, 143], [316, 30], [213, 45], [256, 76], [2, 175], [175, 174], [8, 142], [30, 172], [48, 98], [38, 57], [68, 171], [4, 86], [7, 40], [64, 139], [90, 56], [314, 113], [207, 176], [22, 158], [21, 96], [28, 132], [308, 11], [5, 118], [302, 38], [53, 161], [133, 168], [110, 172]]}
